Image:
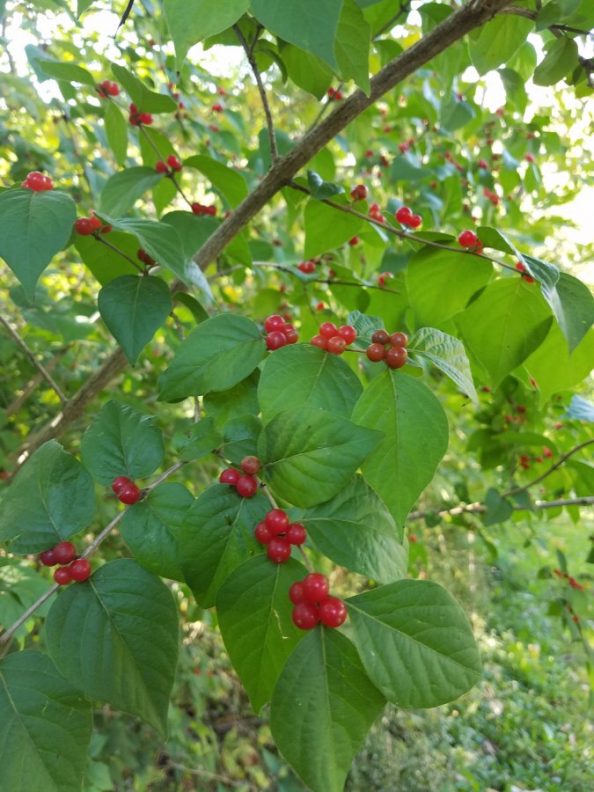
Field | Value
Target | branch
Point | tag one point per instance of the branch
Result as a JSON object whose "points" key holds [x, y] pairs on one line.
{"points": [[452, 29], [6, 636], [479, 508], [552, 469], [38, 365], [258, 77], [16, 404], [528, 14]]}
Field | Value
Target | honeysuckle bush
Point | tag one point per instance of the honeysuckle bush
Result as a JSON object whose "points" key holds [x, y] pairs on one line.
{"points": [[176, 212]]}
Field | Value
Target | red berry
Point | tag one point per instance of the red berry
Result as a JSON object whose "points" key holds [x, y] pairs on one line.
{"points": [[328, 330], [120, 483], [521, 268], [415, 221], [399, 339], [380, 337], [375, 352], [275, 340], [174, 163], [296, 593], [315, 587], [319, 342], [291, 335], [250, 465], [130, 494], [483, 165], [96, 223], [37, 182], [161, 167], [277, 520], [145, 118], [354, 241], [64, 552], [396, 357], [359, 192], [467, 239], [217, 108], [336, 345], [48, 558], [305, 616], [62, 576], [197, 208], [263, 533], [246, 486], [229, 476], [296, 534], [348, 333], [307, 267], [80, 570], [333, 612], [278, 550], [320, 306], [84, 226], [403, 215], [274, 322]]}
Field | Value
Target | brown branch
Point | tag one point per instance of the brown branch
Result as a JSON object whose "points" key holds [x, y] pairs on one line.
{"points": [[452, 29], [32, 385], [479, 508], [528, 14], [38, 364], [552, 469]]}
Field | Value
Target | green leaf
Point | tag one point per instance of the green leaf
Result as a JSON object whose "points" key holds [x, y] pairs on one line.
{"points": [[121, 441], [573, 305], [309, 454], [51, 498], [406, 167], [123, 189], [505, 325], [133, 308], [569, 369], [353, 39], [240, 438], [311, 25], [448, 354], [495, 43], [105, 263], [217, 535], [254, 612], [546, 274], [191, 21], [302, 375], [116, 130], [320, 188], [562, 57], [67, 71], [150, 529], [356, 530], [241, 399], [440, 283], [202, 438], [34, 226], [227, 181], [146, 100], [216, 355], [116, 637], [160, 241], [322, 708], [40, 711], [415, 430], [306, 70], [327, 228], [415, 642], [498, 509]]}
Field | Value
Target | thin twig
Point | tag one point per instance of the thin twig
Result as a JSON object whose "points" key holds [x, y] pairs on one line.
{"points": [[335, 281], [479, 508], [38, 365], [258, 77], [552, 469]]}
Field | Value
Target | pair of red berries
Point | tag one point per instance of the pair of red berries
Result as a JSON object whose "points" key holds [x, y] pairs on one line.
{"points": [[37, 182], [359, 192], [389, 348], [335, 95], [85, 226], [307, 267], [138, 119], [145, 258], [408, 218], [126, 490], [217, 108], [108, 88], [376, 213], [172, 163], [383, 277], [334, 339], [278, 534], [71, 567], [470, 241], [491, 196], [314, 605], [279, 333], [202, 209], [243, 480], [521, 267]]}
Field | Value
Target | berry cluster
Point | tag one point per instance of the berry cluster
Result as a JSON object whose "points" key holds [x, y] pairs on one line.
{"points": [[37, 182], [571, 581], [521, 267], [376, 213], [359, 192], [138, 119], [491, 196], [108, 88], [313, 603], [278, 332], [307, 267], [217, 108], [71, 567], [383, 277], [202, 209], [126, 490], [334, 339], [172, 165], [334, 95], [143, 256], [406, 145], [389, 348], [406, 217], [85, 226], [278, 534], [526, 461], [470, 241], [243, 480]]}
